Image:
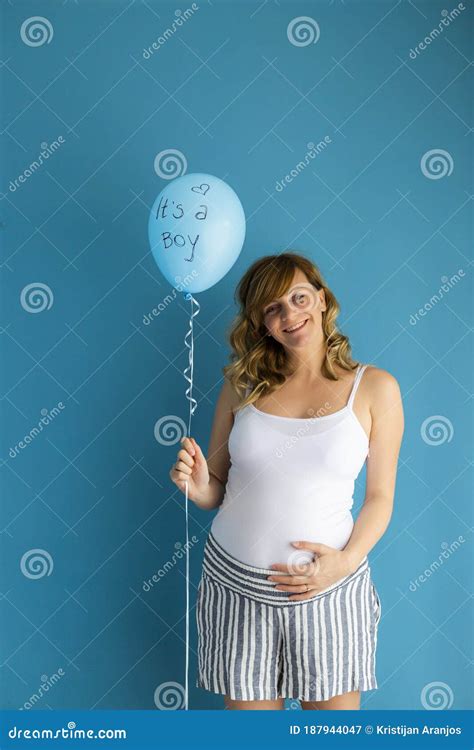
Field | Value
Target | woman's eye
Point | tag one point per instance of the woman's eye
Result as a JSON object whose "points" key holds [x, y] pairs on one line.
{"points": [[270, 310]]}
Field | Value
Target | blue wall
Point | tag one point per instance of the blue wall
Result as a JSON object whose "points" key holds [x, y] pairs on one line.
{"points": [[238, 99]]}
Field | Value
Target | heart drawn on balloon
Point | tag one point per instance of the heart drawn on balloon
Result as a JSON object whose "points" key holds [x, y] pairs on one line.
{"points": [[199, 189]]}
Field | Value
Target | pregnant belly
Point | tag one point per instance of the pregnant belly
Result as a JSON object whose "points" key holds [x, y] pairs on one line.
{"points": [[261, 540]]}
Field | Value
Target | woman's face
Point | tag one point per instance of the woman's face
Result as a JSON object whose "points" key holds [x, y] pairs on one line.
{"points": [[295, 319]]}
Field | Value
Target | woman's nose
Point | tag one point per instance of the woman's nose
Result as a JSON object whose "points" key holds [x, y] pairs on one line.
{"points": [[284, 313]]}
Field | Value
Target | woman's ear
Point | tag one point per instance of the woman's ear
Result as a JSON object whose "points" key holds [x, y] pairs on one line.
{"points": [[322, 300]]}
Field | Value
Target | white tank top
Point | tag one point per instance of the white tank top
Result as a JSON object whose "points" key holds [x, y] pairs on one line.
{"points": [[290, 479]]}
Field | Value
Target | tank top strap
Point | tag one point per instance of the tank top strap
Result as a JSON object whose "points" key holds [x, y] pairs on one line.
{"points": [[355, 385]]}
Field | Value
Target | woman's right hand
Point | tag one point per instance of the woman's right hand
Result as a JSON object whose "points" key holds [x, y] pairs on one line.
{"points": [[190, 466]]}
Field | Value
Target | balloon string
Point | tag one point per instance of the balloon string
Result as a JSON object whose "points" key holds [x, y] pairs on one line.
{"points": [[189, 334], [192, 408]]}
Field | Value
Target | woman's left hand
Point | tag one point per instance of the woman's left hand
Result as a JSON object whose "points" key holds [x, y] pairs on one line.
{"points": [[329, 567]]}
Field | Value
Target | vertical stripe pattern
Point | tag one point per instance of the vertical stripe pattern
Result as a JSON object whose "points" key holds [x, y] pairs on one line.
{"points": [[255, 644]]}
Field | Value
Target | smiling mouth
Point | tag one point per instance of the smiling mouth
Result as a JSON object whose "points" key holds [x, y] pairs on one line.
{"points": [[296, 327]]}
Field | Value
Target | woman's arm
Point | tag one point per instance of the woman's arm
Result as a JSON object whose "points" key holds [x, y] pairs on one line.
{"points": [[385, 441], [218, 460]]}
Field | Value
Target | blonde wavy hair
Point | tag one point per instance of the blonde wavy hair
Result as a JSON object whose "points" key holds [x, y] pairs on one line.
{"points": [[257, 360]]}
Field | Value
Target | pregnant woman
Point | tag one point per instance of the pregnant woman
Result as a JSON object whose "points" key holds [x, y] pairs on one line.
{"points": [[286, 606]]}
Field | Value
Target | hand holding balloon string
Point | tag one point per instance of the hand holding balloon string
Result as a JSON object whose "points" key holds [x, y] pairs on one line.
{"points": [[204, 489]]}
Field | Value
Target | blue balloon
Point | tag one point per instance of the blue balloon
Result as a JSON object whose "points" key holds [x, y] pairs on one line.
{"points": [[196, 231]]}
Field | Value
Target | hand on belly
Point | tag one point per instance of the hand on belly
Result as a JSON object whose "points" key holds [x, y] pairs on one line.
{"points": [[305, 579]]}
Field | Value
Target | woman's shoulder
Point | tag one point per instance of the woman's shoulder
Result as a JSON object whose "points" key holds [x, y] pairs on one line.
{"points": [[382, 385], [228, 395], [378, 375]]}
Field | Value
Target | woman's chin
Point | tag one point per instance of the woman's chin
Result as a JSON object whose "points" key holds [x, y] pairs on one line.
{"points": [[298, 340]]}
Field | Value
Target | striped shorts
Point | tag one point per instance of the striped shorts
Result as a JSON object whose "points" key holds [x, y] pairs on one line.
{"points": [[254, 644]]}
